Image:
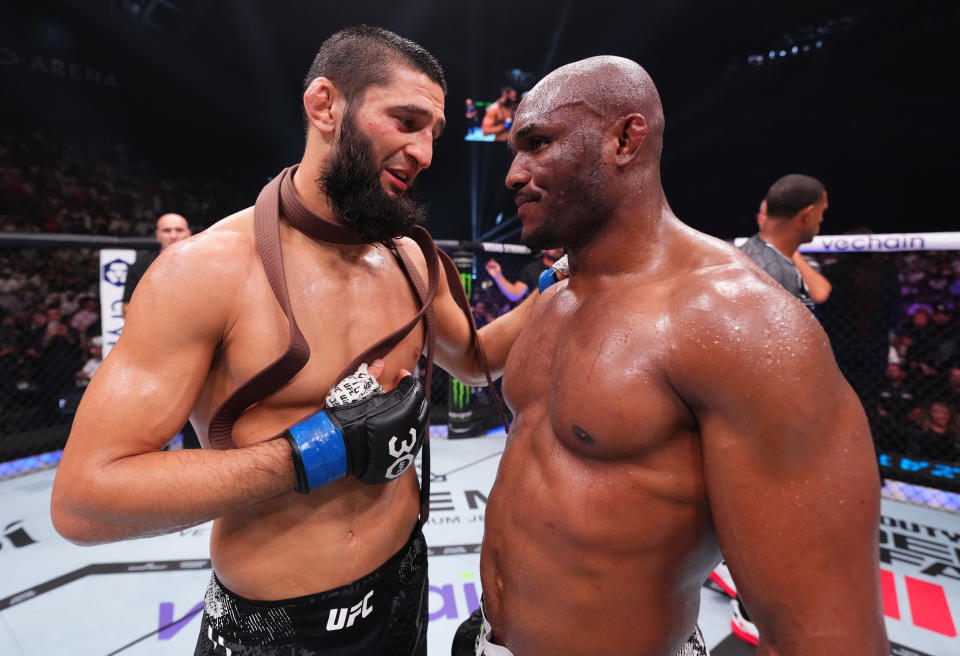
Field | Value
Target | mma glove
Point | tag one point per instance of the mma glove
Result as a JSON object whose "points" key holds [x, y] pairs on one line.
{"points": [[554, 274], [374, 440]]}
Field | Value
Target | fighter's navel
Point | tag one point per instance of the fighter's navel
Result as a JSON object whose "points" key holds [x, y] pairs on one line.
{"points": [[582, 435]]}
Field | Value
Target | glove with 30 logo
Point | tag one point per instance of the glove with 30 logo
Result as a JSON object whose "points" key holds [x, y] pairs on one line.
{"points": [[374, 440]]}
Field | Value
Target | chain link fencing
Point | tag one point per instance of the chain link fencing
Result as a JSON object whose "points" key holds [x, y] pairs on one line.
{"points": [[49, 334], [892, 322], [891, 319]]}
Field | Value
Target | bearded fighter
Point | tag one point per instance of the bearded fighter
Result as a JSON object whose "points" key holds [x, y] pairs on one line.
{"points": [[245, 328]]}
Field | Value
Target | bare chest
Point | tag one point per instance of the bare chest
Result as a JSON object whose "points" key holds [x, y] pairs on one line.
{"points": [[341, 309], [595, 373]]}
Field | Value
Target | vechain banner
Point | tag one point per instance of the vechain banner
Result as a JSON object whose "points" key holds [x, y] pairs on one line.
{"points": [[883, 243], [114, 263]]}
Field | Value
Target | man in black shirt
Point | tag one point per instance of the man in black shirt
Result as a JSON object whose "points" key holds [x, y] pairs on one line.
{"points": [[896, 400], [529, 276], [794, 211], [171, 228]]}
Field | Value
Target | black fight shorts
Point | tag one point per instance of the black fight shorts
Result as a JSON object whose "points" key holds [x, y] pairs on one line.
{"points": [[382, 614]]}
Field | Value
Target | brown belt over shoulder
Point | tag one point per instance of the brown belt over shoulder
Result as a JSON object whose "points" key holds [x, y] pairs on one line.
{"points": [[280, 197]]}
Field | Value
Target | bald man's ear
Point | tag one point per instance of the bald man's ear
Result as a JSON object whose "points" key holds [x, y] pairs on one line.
{"points": [[631, 133], [322, 102]]}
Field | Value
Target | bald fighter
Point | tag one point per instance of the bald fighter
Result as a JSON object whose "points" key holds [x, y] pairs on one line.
{"points": [[171, 228], [246, 328], [670, 402]]}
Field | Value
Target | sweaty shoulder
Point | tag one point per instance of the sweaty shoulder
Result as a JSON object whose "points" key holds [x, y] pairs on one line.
{"points": [[716, 280], [728, 320]]}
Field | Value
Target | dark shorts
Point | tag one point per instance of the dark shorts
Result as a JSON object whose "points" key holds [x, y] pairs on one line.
{"points": [[382, 614]]}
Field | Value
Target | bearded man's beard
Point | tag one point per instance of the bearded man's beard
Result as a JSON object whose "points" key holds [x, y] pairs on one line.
{"points": [[351, 181]]}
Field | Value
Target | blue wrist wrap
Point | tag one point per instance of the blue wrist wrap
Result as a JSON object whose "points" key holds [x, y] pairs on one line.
{"points": [[547, 278], [322, 449]]}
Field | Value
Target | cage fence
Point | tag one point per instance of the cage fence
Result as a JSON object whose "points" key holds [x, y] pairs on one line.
{"points": [[891, 320]]}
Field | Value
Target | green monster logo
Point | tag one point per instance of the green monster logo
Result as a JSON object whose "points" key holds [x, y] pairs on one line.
{"points": [[461, 394]]}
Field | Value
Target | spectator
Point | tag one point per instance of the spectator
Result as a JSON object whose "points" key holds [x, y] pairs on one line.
{"points": [[10, 338], [60, 357], [917, 338], [35, 335], [470, 113], [529, 277], [952, 392], [790, 215], [171, 228], [498, 118], [481, 314], [944, 339], [86, 316], [95, 357], [818, 285], [896, 401], [937, 437], [69, 303]]}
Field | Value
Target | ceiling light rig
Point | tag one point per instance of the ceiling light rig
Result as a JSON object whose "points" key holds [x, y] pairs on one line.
{"points": [[154, 13], [805, 41]]}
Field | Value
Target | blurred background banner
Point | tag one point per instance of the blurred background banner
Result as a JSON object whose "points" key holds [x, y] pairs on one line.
{"points": [[870, 243], [114, 264]]}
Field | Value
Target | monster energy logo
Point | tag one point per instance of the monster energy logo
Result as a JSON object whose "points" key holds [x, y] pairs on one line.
{"points": [[461, 394], [467, 280]]}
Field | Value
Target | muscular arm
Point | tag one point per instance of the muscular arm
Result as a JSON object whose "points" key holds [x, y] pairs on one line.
{"points": [[492, 120], [790, 471], [816, 283], [113, 482]]}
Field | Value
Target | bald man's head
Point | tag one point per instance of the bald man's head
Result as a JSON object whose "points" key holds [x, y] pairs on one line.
{"points": [[171, 228], [607, 87], [587, 140]]}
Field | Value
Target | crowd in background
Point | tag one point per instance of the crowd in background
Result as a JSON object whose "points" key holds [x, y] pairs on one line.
{"points": [[49, 330], [98, 188], [892, 318], [49, 301], [920, 396]]}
